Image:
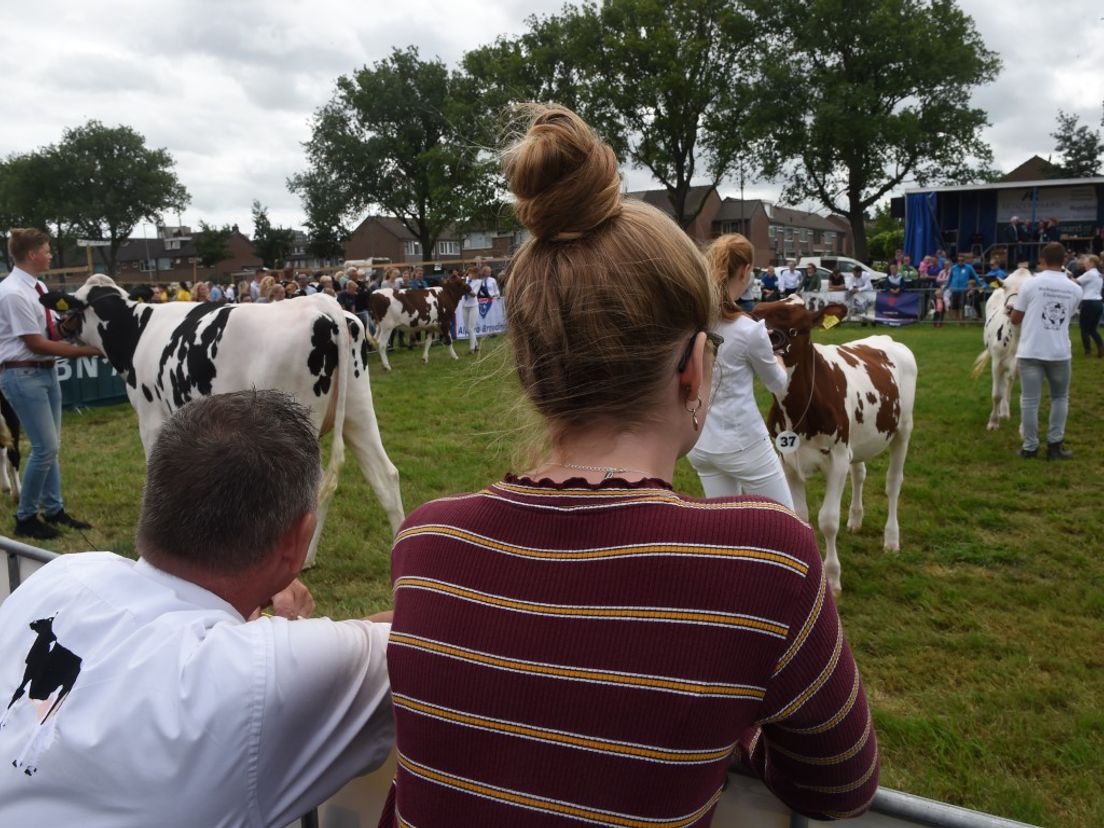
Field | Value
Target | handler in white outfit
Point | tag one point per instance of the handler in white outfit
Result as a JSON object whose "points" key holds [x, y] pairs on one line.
{"points": [[135, 694], [483, 286], [734, 454]]}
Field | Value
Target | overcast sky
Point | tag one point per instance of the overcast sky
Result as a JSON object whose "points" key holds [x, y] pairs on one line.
{"points": [[229, 87]]}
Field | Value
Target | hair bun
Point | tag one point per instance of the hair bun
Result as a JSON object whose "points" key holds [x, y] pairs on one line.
{"points": [[564, 177]]}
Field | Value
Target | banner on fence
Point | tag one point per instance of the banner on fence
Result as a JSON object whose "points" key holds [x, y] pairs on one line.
{"points": [[897, 309], [492, 318], [89, 381]]}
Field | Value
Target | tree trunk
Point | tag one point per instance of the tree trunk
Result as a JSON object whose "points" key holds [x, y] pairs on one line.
{"points": [[427, 241], [858, 230]]}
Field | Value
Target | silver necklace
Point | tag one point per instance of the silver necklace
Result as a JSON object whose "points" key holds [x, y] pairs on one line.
{"points": [[610, 471]]}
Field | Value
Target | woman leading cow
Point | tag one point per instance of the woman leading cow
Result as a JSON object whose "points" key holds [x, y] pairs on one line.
{"points": [[734, 454]]}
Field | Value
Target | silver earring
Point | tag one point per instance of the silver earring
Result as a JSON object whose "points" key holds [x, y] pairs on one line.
{"points": [[694, 412]]}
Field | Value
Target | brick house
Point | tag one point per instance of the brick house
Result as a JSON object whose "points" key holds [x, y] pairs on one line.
{"points": [[384, 237], [171, 257], [780, 233], [705, 196]]}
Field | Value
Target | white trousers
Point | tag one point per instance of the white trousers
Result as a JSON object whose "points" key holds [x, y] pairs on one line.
{"points": [[755, 470], [471, 319]]}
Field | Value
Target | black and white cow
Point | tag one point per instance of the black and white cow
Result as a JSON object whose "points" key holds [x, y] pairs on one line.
{"points": [[172, 353], [429, 309]]}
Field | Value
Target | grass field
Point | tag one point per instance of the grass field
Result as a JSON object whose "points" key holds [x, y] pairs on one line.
{"points": [[981, 643]]}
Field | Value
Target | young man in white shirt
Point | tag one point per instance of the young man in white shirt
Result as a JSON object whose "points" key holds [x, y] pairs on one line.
{"points": [[29, 335], [154, 692], [1043, 308]]}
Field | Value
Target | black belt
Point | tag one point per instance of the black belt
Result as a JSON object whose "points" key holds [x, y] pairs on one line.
{"points": [[27, 363]]}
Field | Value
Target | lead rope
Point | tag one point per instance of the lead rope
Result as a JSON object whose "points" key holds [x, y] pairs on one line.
{"points": [[812, 390]]}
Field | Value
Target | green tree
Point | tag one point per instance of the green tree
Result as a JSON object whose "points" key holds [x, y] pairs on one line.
{"points": [[857, 96], [111, 181], [665, 83], [33, 193], [212, 243], [1079, 147], [400, 137], [272, 245], [326, 228]]}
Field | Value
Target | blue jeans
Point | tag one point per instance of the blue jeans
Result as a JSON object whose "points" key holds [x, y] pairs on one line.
{"points": [[35, 395], [1032, 372]]}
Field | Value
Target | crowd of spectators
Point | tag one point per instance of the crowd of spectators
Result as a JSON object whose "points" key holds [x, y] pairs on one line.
{"points": [[350, 286]]}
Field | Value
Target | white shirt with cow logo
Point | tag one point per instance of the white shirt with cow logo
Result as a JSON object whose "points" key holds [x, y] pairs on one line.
{"points": [[157, 704], [1048, 302]]}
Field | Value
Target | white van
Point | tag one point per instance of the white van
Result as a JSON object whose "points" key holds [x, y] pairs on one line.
{"points": [[845, 264]]}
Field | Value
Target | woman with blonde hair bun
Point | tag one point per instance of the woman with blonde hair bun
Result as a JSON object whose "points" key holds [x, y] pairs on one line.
{"points": [[734, 454], [580, 644]]}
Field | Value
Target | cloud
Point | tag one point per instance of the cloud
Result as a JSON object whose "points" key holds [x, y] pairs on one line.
{"points": [[230, 88]]}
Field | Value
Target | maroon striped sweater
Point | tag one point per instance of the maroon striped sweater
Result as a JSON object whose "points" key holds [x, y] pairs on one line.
{"points": [[568, 654]]}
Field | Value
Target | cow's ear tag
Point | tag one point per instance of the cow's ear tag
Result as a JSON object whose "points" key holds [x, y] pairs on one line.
{"points": [[829, 320], [787, 442], [62, 305]]}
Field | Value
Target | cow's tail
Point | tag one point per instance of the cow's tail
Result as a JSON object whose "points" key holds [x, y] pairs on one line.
{"points": [[979, 364], [344, 377], [371, 339]]}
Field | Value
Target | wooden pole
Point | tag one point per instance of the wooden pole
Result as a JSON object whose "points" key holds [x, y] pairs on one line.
{"points": [[88, 250]]}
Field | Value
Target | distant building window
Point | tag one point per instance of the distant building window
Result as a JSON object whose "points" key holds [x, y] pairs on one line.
{"points": [[739, 226], [477, 241], [448, 248], [172, 244], [413, 248], [789, 234], [775, 230]]}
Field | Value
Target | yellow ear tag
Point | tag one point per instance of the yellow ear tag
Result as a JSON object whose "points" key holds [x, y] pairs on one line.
{"points": [[62, 305], [829, 321]]}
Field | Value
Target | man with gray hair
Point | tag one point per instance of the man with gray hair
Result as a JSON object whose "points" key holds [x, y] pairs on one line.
{"points": [[155, 692]]}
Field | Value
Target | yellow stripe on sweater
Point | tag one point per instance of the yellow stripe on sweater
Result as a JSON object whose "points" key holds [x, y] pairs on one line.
{"points": [[851, 752], [643, 550], [838, 717], [640, 681], [815, 685], [690, 616], [560, 737], [806, 628], [552, 806]]}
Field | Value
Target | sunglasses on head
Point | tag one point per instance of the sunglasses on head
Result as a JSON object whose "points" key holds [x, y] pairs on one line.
{"points": [[714, 340]]}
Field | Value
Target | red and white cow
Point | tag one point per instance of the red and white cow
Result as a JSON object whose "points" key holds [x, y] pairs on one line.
{"points": [[844, 405], [1001, 339], [424, 309], [9, 450], [310, 348]]}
